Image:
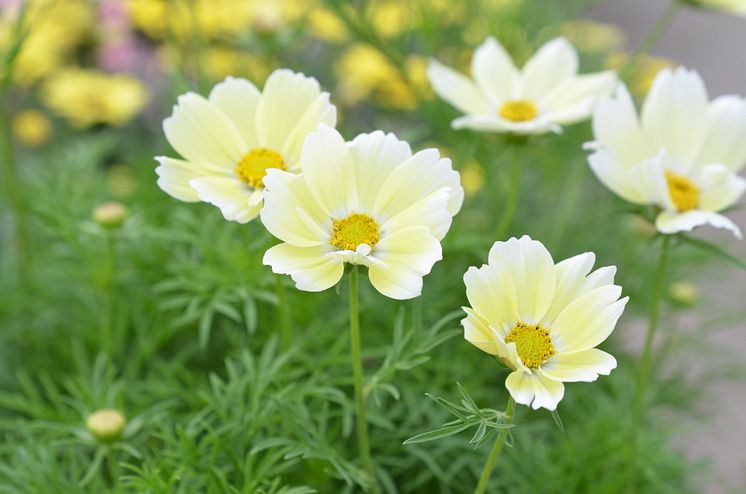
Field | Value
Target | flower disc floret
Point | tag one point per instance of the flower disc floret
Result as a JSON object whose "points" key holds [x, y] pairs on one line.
{"points": [[355, 230], [533, 343], [518, 110], [684, 193], [254, 165]]}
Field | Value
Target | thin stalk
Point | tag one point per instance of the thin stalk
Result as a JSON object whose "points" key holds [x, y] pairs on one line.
{"points": [[514, 187], [357, 371], [283, 313], [646, 359], [13, 190], [568, 200], [651, 39], [484, 479], [107, 288]]}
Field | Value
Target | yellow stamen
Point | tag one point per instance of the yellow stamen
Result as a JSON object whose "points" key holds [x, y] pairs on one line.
{"points": [[519, 110], [533, 343], [355, 230], [684, 193], [254, 165]]}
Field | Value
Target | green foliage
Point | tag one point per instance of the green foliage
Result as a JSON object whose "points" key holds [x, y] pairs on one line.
{"points": [[178, 330]]}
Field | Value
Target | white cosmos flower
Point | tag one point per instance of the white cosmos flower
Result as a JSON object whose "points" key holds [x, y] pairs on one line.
{"points": [[682, 154], [369, 201], [229, 140], [730, 6], [543, 320], [546, 94]]}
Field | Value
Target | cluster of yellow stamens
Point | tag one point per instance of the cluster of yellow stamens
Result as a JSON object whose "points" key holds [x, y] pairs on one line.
{"points": [[355, 230], [254, 165], [684, 193], [519, 110], [533, 343]]}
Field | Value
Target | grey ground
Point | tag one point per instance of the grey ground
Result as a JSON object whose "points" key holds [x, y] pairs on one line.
{"points": [[715, 45]]}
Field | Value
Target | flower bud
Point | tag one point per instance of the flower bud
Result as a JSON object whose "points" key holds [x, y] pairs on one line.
{"points": [[106, 424], [683, 293], [32, 128], [110, 214]]}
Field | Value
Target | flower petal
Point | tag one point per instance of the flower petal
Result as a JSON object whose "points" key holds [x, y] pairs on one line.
{"points": [[617, 128], [286, 98], [726, 125], [310, 267], [320, 111], [722, 188], [571, 276], [374, 157], [534, 389], [291, 212], [674, 114], [579, 366], [494, 71], [203, 134], [673, 222], [421, 175], [532, 272], [551, 65], [238, 99], [329, 172], [230, 195], [494, 123], [407, 255], [588, 320], [490, 292], [479, 333], [457, 90], [574, 99], [174, 176]]}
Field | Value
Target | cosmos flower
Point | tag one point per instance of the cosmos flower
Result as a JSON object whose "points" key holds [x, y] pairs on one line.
{"points": [[682, 154], [729, 6], [544, 95], [369, 202], [232, 138], [542, 320]]}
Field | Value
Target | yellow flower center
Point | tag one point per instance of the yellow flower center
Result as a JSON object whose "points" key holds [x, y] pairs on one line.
{"points": [[684, 193], [254, 165], [533, 343], [355, 230], [519, 110]]}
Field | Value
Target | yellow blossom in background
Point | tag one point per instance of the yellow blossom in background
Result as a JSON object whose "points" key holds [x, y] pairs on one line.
{"points": [[32, 128], [327, 26], [390, 18], [221, 62], [472, 178], [364, 72], [86, 97], [641, 80], [593, 37], [212, 19], [121, 183], [55, 30]]}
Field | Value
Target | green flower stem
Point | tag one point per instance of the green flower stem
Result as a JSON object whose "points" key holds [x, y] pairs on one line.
{"points": [[283, 313], [645, 361], [107, 288], [513, 191], [12, 184], [484, 479], [651, 39], [357, 370]]}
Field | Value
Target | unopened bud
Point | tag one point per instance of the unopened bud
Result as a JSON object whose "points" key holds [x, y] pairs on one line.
{"points": [[106, 424], [110, 214]]}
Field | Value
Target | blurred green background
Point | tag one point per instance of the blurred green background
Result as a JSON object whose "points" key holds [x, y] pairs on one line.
{"points": [[170, 317]]}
